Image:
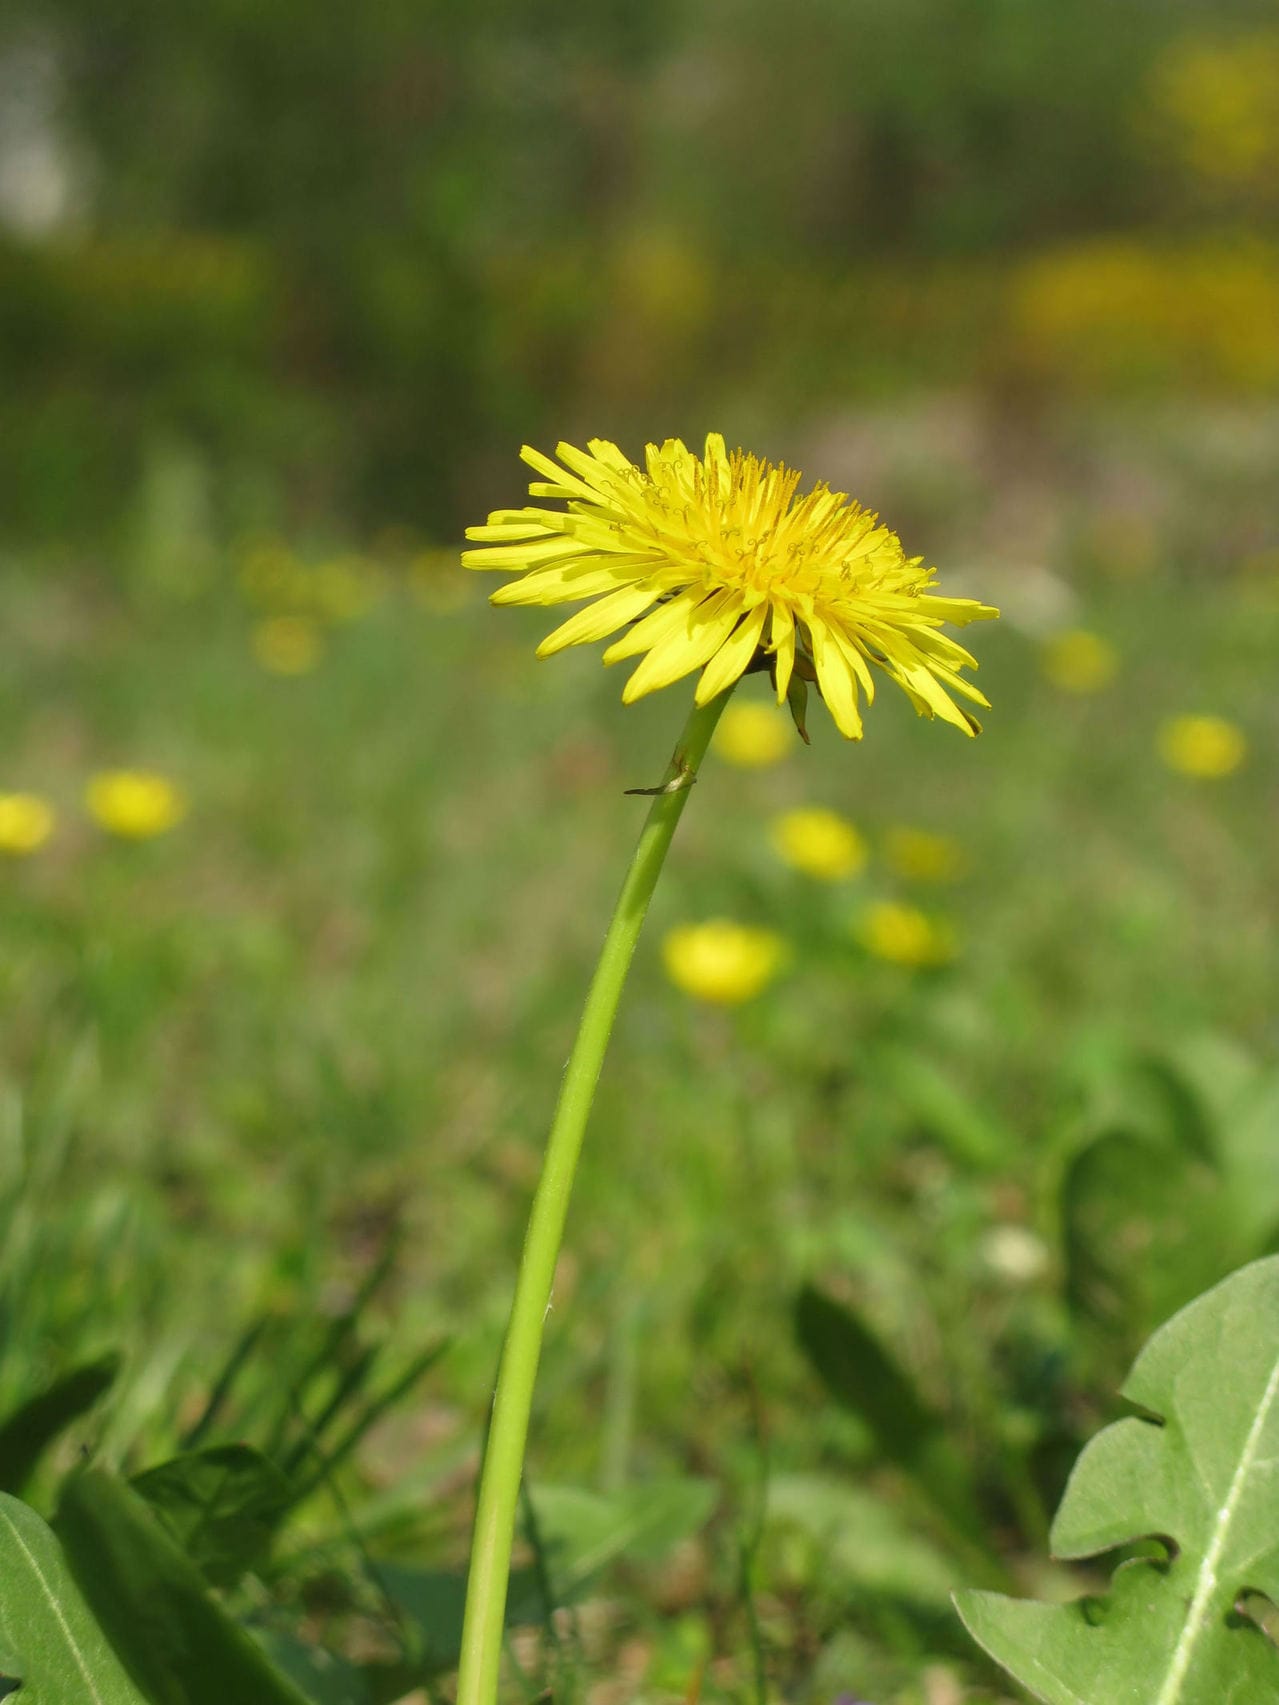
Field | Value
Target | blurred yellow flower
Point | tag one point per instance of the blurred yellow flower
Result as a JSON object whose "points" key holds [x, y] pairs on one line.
{"points": [[904, 935], [287, 645], [819, 842], [1078, 661], [26, 822], [1203, 746], [1219, 99], [918, 855], [709, 561], [135, 804], [752, 736], [722, 962]]}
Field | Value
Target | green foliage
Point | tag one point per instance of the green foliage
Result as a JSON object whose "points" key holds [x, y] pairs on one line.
{"points": [[1195, 1472], [50, 1641], [176, 1641], [26, 1434], [222, 1505]]}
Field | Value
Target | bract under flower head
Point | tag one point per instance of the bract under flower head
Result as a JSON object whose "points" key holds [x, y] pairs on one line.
{"points": [[719, 563]]}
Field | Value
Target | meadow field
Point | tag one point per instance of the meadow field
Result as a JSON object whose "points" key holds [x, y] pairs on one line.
{"points": [[281, 1050], [946, 1076]]}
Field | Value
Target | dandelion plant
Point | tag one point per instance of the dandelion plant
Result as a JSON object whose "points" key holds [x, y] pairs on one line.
{"points": [[713, 563]]}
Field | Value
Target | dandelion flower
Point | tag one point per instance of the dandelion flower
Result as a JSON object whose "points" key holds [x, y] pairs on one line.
{"points": [[752, 736], [1080, 662], [917, 855], [134, 804], [721, 565], [1206, 747], [26, 822], [288, 645], [905, 936], [722, 962], [820, 843]]}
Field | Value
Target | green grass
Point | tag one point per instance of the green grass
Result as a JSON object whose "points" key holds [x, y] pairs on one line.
{"points": [[336, 1001]]}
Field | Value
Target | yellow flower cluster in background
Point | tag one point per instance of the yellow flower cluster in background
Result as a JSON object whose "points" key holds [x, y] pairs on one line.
{"points": [[1080, 662], [903, 935], [820, 843], [752, 736], [134, 804], [1121, 313], [1215, 106], [26, 822], [1206, 747], [722, 962]]}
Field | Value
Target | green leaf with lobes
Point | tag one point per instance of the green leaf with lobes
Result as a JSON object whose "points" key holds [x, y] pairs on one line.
{"points": [[1199, 1470]]}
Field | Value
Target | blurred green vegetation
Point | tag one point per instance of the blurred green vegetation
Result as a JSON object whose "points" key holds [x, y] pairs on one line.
{"points": [[308, 276], [345, 258]]}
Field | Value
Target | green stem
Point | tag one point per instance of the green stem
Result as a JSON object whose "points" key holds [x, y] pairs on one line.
{"points": [[504, 1454]]}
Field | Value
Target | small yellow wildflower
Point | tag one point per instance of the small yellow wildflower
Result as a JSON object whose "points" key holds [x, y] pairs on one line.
{"points": [[288, 645], [918, 855], [820, 843], [722, 962], [1203, 746], [904, 935], [134, 804], [752, 736], [714, 562], [26, 822], [1080, 662]]}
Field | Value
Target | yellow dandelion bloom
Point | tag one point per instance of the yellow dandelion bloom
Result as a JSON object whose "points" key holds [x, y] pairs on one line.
{"points": [[820, 843], [720, 565], [288, 645], [722, 962], [1080, 662], [1206, 747], [904, 935], [26, 822], [752, 736], [917, 855], [134, 804]]}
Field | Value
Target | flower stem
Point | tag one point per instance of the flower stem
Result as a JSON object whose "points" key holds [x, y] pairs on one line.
{"points": [[504, 1453]]}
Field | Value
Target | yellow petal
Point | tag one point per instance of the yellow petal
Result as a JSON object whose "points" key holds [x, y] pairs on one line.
{"points": [[696, 640], [599, 619], [667, 618], [517, 556], [734, 654], [782, 644], [838, 683], [562, 584]]}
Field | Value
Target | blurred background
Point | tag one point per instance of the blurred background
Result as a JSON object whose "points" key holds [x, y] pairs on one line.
{"points": [[304, 859]]}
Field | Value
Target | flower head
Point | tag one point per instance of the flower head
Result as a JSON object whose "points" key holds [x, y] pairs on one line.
{"points": [[1205, 747], [820, 843], [26, 822], [722, 962], [720, 565], [905, 936], [134, 804], [752, 736]]}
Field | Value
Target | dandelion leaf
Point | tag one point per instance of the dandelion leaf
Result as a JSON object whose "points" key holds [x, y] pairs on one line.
{"points": [[1198, 1471]]}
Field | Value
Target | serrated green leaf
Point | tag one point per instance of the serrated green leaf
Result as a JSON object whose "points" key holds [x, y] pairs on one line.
{"points": [[178, 1644], [49, 1639], [29, 1431], [222, 1505], [1202, 1474]]}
